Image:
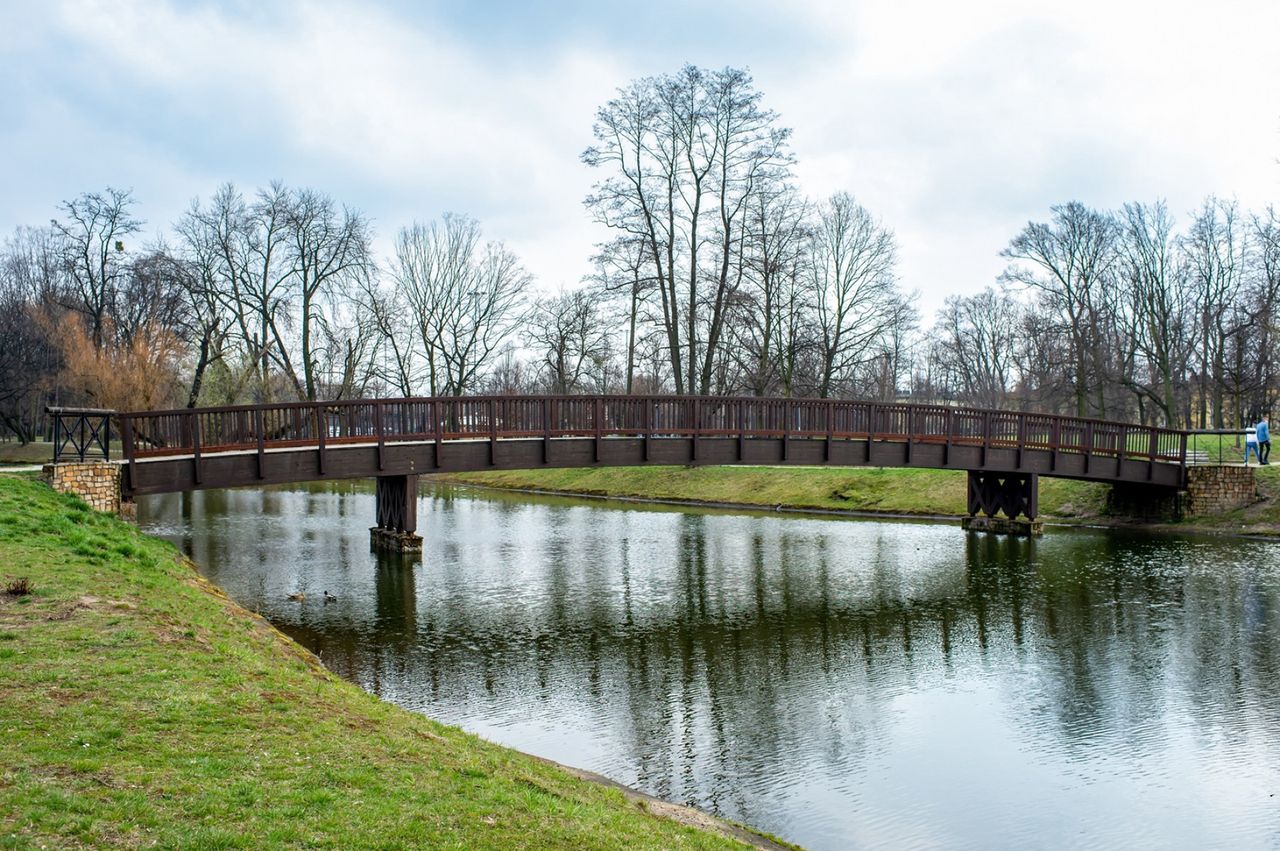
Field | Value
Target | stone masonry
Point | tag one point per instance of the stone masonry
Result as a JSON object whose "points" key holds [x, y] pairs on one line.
{"points": [[1218, 489], [96, 482]]}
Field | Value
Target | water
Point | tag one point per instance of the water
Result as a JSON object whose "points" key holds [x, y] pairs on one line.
{"points": [[843, 684]]}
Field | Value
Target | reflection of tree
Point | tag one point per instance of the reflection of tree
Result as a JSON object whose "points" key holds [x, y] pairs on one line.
{"points": [[711, 648]]}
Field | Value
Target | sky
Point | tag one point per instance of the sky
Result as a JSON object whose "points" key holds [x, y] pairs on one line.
{"points": [[955, 123]]}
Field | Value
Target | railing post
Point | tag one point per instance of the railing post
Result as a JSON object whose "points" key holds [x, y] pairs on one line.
{"points": [[1022, 441], [493, 430], [259, 426], [946, 443], [740, 412], [126, 446], [322, 431], [546, 430], [1055, 441], [195, 448], [1088, 445], [871, 429], [697, 427], [596, 410], [647, 422], [911, 430], [437, 426], [377, 424], [1152, 448], [830, 415], [986, 438]]}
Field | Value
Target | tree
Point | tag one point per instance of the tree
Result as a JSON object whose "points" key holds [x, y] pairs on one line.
{"points": [[93, 232], [851, 286], [1215, 248], [1157, 306], [329, 255], [978, 336], [684, 156], [466, 297], [1069, 261], [571, 339], [30, 280]]}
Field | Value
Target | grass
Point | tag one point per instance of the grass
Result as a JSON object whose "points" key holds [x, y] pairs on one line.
{"points": [[139, 706], [888, 491], [36, 452]]}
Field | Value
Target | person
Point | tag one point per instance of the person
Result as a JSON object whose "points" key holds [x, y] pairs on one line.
{"points": [[1251, 444], [1264, 441]]}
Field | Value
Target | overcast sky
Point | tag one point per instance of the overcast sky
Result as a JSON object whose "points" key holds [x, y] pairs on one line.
{"points": [[956, 123]]}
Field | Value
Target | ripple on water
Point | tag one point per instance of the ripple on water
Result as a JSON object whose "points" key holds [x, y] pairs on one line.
{"points": [[844, 684]]}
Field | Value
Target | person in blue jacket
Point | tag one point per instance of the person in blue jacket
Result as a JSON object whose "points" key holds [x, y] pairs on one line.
{"points": [[1264, 441]]}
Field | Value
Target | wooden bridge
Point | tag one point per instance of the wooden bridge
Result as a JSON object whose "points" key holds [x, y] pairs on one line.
{"points": [[395, 440]]}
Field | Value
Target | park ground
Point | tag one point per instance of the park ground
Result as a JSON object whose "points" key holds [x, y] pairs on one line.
{"points": [[856, 491], [140, 707]]}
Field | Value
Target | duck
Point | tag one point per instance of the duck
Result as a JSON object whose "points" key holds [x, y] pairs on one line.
{"points": [[297, 596], [329, 598]]}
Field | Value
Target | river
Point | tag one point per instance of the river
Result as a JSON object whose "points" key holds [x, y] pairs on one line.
{"points": [[840, 683]]}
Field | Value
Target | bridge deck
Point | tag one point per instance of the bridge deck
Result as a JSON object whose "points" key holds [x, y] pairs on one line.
{"points": [[198, 448]]}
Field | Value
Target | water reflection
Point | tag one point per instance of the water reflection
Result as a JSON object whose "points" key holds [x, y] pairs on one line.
{"points": [[840, 683]]}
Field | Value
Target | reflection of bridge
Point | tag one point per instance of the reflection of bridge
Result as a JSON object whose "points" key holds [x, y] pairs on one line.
{"points": [[395, 440]]}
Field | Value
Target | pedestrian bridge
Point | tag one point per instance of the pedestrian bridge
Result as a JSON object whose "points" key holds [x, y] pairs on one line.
{"points": [[395, 440]]}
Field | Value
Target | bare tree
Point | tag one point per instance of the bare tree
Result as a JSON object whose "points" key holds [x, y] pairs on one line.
{"points": [[570, 336], [466, 297], [685, 154], [1070, 262], [1157, 307], [851, 286], [93, 231], [1215, 247], [30, 279], [329, 255], [978, 336]]}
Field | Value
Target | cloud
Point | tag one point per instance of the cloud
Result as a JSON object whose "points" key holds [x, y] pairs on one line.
{"points": [[955, 123]]}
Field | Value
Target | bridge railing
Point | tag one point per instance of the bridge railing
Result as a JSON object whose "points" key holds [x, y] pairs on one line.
{"points": [[247, 427]]}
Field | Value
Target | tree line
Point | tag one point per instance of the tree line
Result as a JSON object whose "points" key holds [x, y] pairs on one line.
{"points": [[719, 277]]}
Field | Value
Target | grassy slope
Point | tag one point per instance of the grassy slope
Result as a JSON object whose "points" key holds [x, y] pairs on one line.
{"points": [[139, 706], [893, 491]]}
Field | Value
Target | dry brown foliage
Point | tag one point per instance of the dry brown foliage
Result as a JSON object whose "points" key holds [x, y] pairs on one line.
{"points": [[141, 373]]}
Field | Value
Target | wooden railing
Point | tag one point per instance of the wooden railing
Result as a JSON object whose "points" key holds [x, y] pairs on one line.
{"points": [[197, 431]]}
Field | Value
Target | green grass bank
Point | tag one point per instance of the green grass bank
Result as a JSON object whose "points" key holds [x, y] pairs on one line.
{"points": [[867, 490], [140, 707], [901, 492]]}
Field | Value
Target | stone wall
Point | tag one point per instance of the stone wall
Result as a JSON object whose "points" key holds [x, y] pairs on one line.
{"points": [[96, 482], [1218, 489]]}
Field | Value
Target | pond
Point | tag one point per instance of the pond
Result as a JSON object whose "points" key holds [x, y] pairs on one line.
{"points": [[840, 683]]}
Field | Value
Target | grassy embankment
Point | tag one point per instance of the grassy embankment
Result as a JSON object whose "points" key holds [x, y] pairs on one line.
{"points": [[139, 706], [876, 491]]}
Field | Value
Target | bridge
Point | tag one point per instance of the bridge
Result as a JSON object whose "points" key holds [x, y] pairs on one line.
{"points": [[396, 440]]}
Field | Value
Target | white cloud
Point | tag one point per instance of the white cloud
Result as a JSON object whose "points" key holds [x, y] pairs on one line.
{"points": [[956, 123]]}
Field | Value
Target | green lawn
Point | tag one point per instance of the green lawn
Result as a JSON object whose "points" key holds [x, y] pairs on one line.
{"points": [[891, 491], [138, 706]]}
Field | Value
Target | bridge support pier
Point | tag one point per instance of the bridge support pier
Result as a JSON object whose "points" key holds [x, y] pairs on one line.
{"points": [[1016, 495], [397, 501]]}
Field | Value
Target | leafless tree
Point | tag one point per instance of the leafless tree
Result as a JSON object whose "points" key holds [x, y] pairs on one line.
{"points": [[466, 296], [571, 338], [1070, 262], [978, 337], [1157, 307], [684, 155], [93, 231], [851, 285]]}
